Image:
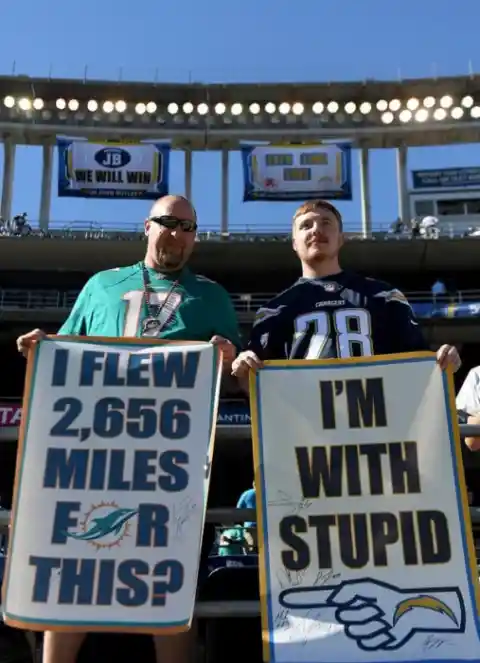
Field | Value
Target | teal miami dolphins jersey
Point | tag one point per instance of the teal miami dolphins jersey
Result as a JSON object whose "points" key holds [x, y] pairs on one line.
{"points": [[113, 304]]}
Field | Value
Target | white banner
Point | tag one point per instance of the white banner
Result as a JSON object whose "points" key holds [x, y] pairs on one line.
{"points": [[368, 553], [297, 172], [112, 170], [111, 486]]}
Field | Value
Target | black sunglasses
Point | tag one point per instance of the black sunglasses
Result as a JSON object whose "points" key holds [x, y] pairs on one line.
{"points": [[171, 222]]}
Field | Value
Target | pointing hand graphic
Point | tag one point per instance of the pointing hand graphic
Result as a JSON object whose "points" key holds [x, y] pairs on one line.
{"points": [[380, 616]]}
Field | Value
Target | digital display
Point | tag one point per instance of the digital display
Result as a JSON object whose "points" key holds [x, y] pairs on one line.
{"points": [[314, 159], [297, 174], [279, 159]]}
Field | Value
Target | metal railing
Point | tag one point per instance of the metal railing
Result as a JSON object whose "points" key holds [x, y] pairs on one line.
{"points": [[236, 231], [224, 609], [14, 299]]}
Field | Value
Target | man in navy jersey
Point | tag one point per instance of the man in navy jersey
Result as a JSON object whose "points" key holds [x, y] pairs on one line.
{"points": [[328, 312]]}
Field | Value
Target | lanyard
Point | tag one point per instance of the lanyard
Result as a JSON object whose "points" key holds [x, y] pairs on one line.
{"points": [[153, 325]]}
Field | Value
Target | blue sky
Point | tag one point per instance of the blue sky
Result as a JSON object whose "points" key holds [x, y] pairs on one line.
{"points": [[251, 40]]}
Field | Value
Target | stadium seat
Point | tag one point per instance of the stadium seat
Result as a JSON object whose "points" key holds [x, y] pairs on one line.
{"points": [[223, 634]]}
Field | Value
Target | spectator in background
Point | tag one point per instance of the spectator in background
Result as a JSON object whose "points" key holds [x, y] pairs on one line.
{"points": [[232, 542], [415, 227], [248, 500], [428, 227], [439, 291], [397, 227], [468, 405]]}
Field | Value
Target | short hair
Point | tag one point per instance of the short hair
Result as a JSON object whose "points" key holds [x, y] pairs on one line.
{"points": [[318, 204]]}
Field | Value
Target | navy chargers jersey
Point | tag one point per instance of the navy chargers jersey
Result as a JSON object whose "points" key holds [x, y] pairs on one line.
{"points": [[342, 316]]}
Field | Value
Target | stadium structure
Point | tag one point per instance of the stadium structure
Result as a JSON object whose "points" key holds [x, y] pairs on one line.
{"points": [[41, 273]]}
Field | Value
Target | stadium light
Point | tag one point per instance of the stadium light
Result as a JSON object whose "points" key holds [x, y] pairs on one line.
{"points": [[467, 102], [332, 107], [24, 104], [140, 109], [92, 106], [395, 105], [429, 102], [413, 104], [188, 108], [236, 109], [298, 108], [202, 109], [446, 101], [73, 105], [9, 102], [151, 107], [220, 109], [61, 104], [38, 104], [457, 113], [405, 116], [120, 106], [270, 108], [108, 107], [387, 118], [365, 108], [350, 108], [284, 109], [475, 112], [382, 105], [317, 108], [254, 109], [172, 108], [439, 114], [421, 115]]}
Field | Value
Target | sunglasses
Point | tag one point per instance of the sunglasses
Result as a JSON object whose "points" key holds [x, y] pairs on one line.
{"points": [[172, 223]]}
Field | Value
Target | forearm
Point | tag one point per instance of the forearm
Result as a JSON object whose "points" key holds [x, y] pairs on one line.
{"points": [[244, 383]]}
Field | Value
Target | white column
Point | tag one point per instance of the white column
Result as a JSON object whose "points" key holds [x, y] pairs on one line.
{"points": [[8, 175], [402, 187], [46, 193], [365, 193], [188, 173], [224, 218]]}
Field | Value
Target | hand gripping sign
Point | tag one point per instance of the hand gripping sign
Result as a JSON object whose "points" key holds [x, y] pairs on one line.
{"points": [[111, 486], [368, 554]]}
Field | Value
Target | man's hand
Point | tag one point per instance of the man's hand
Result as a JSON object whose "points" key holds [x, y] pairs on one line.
{"points": [[245, 362], [228, 349], [448, 355], [26, 341]]}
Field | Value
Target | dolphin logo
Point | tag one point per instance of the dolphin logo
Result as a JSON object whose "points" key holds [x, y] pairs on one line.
{"points": [[112, 523], [426, 602]]}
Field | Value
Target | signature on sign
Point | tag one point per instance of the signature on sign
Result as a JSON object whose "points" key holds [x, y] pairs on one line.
{"points": [[287, 578], [284, 499], [181, 514], [433, 642]]}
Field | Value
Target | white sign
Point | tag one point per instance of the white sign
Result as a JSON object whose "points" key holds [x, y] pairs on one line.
{"points": [[112, 170], [297, 172], [368, 553], [111, 487]]}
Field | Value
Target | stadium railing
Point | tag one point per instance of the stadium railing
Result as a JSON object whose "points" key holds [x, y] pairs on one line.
{"points": [[21, 299], [260, 231], [232, 515]]}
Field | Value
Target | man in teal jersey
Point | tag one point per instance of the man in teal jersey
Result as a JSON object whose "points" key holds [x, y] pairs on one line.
{"points": [[158, 297]]}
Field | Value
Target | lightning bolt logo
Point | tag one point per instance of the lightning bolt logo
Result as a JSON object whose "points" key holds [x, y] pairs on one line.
{"points": [[426, 602]]}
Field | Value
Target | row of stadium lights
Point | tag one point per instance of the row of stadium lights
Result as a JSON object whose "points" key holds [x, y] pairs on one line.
{"points": [[414, 108]]}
